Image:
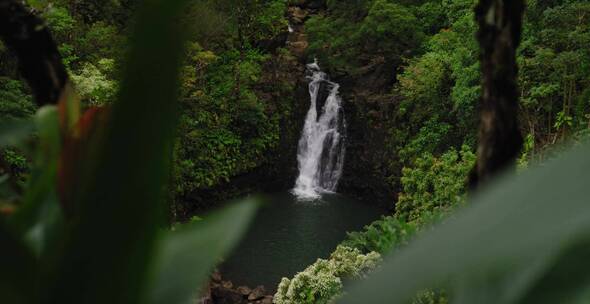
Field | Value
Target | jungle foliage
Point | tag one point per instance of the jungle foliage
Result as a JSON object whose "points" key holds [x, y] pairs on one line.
{"points": [[226, 128], [432, 60], [438, 246]]}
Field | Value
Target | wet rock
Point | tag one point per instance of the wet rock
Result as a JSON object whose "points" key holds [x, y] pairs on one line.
{"points": [[244, 290], [227, 285], [298, 48], [267, 300], [323, 94], [257, 294], [206, 296], [297, 15]]}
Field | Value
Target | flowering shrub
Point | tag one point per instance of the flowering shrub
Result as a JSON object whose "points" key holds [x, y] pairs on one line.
{"points": [[321, 282]]}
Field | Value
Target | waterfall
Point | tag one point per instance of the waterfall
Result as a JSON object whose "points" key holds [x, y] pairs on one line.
{"points": [[320, 152]]}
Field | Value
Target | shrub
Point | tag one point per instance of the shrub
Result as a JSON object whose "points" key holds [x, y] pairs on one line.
{"points": [[60, 21], [356, 32], [321, 282], [431, 297], [351, 263], [381, 236], [270, 21], [390, 29], [434, 184], [15, 103], [316, 284], [94, 87]]}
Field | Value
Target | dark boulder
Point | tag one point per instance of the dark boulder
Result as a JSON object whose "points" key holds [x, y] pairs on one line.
{"points": [[323, 94]]}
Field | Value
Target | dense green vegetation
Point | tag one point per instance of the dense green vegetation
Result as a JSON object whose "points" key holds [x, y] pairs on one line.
{"points": [[226, 115], [352, 34], [430, 55], [232, 108], [226, 128]]}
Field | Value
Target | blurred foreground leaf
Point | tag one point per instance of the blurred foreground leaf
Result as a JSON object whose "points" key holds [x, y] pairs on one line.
{"points": [[186, 256], [105, 248], [18, 269], [122, 203], [516, 242], [40, 217]]}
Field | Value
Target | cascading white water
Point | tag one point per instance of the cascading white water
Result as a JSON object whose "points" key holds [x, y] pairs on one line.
{"points": [[321, 148]]}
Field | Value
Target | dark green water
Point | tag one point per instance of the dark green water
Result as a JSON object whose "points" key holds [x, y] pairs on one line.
{"points": [[287, 235]]}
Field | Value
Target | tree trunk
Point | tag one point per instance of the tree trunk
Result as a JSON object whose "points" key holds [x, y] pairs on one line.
{"points": [[500, 141], [39, 61]]}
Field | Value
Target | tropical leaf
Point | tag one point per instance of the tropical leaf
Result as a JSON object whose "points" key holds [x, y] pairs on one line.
{"points": [[19, 268], [38, 219], [113, 233], [525, 228], [187, 255]]}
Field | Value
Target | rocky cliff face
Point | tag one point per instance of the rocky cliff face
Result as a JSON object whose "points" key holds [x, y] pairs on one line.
{"points": [[370, 160]]}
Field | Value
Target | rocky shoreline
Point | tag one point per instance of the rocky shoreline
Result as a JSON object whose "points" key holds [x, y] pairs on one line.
{"points": [[220, 291]]}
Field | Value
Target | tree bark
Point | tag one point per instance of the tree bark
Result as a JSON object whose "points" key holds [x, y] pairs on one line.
{"points": [[500, 141], [39, 61]]}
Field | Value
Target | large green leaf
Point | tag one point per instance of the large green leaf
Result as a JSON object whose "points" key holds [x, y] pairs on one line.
{"points": [[566, 279], [513, 235], [187, 255], [39, 219], [122, 203], [18, 269]]}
